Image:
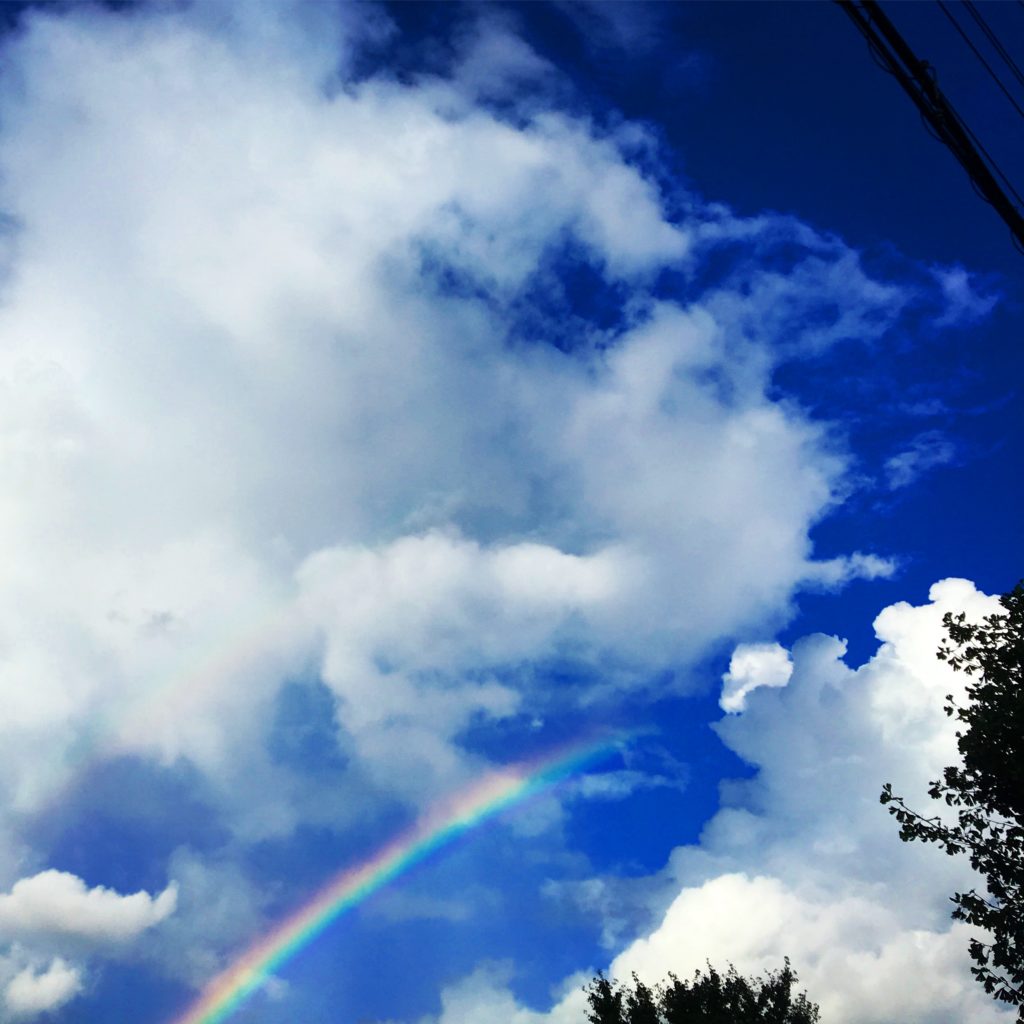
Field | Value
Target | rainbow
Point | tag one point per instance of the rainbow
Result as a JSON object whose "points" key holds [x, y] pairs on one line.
{"points": [[351, 886]]}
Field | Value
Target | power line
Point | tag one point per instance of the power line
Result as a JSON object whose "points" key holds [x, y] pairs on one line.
{"points": [[977, 53], [974, 138], [991, 161], [979, 20], [917, 79]]}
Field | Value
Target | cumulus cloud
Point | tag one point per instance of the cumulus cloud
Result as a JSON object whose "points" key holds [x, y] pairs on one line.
{"points": [[55, 910], [30, 993], [59, 903], [270, 407], [286, 359], [854, 954], [751, 666], [801, 860]]}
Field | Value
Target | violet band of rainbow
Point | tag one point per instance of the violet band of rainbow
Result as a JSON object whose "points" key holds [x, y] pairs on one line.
{"points": [[467, 810]]}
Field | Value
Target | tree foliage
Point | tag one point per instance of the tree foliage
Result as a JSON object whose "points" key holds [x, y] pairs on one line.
{"points": [[987, 790], [709, 998]]}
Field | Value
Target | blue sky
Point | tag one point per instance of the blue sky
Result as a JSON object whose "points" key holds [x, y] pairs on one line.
{"points": [[395, 393]]}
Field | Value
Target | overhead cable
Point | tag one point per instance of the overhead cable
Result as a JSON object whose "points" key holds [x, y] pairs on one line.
{"points": [[977, 53], [997, 45], [917, 79]]}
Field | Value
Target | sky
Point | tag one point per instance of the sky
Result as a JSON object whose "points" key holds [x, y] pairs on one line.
{"points": [[534, 443]]}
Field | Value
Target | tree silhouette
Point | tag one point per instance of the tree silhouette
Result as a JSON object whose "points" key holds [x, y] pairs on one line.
{"points": [[988, 791], [709, 998]]}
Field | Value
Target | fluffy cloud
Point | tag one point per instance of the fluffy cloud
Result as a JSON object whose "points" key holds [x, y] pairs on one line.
{"points": [[56, 910], [59, 903], [30, 993], [855, 954], [287, 391], [485, 994], [751, 666], [801, 861], [287, 398]]}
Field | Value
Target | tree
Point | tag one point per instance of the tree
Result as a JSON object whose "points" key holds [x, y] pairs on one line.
{"points": [[605, 1001], [987, 790], [710, 998]]}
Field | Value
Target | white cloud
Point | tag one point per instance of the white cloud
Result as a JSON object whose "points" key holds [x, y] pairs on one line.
{"points": [[751, 666], [801, 860], [854, 954], [837, 572], [59, 903], [267, 409], [927, 451], [30, 992], [827, 298], [619, 785], [806, 847], [484, 995], [55, 912], [256, 380]]}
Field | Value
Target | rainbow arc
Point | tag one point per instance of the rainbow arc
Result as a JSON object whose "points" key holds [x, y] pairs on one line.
{"points": [[468, 810]]}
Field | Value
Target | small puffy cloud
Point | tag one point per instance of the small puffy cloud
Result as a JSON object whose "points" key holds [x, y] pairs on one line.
{"points": [[833, 573], [927, 451], [751, 666], [57, 903], [621, 784], [32, 992]]}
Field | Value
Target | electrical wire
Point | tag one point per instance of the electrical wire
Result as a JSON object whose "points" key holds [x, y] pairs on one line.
{"points": [[917, 78], [881, 58], [989, 159], [997, 45], [977, 53]]}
